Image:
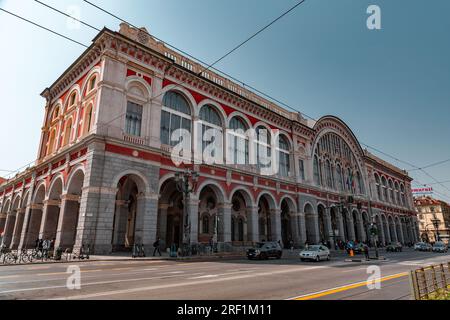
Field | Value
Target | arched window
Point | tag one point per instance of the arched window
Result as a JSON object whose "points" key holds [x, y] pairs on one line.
{"points": [[283, 153], [51, 142], [360, 182], [340, 184], [328, 174], [349, 180], [92, 83], [316, 171], [378, 185], [205, 224], [55, 114], [72, 100], [88, 119], [238, 145], [263, 149], [67, 132], [397, 193], [176, 114], [402, 194], [210, 122], [384, 185], [391, 191]]}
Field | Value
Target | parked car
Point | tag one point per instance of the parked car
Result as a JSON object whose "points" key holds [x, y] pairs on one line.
{"points": [[418, 246], [423, 246], [315, 253], [265, 250], [394, 247], [440, 247]]}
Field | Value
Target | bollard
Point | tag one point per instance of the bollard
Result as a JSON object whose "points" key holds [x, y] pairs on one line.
{"points": [[352, 253]]}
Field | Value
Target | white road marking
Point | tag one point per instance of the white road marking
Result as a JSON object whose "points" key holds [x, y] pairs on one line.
{"points": [[174, 285]]}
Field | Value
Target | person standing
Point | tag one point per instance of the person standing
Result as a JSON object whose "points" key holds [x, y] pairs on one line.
{"points": [[366, 252], [156, 246]]}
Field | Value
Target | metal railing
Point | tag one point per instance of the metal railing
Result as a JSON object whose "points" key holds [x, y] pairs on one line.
{"points": [[430, 282]]}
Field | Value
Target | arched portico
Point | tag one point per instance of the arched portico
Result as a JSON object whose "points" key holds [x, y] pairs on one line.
{"points": [[51, 211], [268, 216], [70, 210], [129, 212]]}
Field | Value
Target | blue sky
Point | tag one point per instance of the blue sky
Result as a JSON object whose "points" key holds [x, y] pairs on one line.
{"points": [[391, 86]]}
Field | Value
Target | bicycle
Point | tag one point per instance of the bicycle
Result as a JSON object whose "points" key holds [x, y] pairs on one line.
{"points": [[25, 256], [10, 257]]}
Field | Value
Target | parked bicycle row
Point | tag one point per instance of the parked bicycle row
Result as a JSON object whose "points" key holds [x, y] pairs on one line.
{"points": [[42, 254]]}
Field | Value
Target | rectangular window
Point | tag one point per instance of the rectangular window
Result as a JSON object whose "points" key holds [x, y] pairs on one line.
{"points": [[133, 120]]}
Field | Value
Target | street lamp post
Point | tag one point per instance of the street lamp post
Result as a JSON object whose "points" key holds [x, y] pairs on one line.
{"points": [[186, 183], [436, 222]]}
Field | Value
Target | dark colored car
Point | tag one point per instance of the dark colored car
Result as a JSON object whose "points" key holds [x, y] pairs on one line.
{"points": [[265, 250], [394, 247]]}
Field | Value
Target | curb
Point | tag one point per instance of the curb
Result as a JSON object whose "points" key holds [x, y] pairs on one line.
{"points": [[191, 259], [366, 261]]}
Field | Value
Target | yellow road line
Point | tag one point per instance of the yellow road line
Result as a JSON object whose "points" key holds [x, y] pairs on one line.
{"points": [[349, 287], [6, 277]]}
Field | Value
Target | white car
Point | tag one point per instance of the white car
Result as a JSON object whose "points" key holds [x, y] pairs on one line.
{"points": [[315, 253]]}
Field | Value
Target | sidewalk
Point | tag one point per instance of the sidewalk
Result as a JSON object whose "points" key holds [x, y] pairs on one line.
{"points": [[127, 257]]}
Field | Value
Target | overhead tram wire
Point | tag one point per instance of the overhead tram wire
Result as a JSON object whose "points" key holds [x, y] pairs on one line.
{"points": [[45, 28], [432, 165], [205, 69], [210, 66], [90, 26]]}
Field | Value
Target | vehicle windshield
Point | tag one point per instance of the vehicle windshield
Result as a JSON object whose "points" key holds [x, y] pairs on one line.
{"points": [[260, 244], [439, 244], [314, 248]]}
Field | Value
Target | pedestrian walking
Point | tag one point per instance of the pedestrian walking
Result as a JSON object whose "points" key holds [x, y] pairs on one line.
{"points": [[366, 252], [291, 245], [156, 246]]}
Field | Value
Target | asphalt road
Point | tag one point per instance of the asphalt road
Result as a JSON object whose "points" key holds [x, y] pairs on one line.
{"points": [[239, 279]]}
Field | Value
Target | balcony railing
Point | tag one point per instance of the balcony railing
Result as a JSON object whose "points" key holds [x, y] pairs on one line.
{"points": [[135, 139]]}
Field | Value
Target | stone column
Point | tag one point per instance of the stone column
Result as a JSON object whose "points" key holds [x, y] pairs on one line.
{"points": [[146, 220], [252, 223], [351, 228], [340, 223], [312, 226], [225, 217], [400, 236], [361, 230], [162, 223], [68, 219], [9, 226], [120, 224], [275, 218], [192, 207], [294, 227], [95, 222], [329, 228], [301, 222], [387, 233], [20, 216]]}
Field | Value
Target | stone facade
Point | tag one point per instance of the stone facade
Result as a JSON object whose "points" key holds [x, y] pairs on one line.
{"points": [[104, 175]]}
